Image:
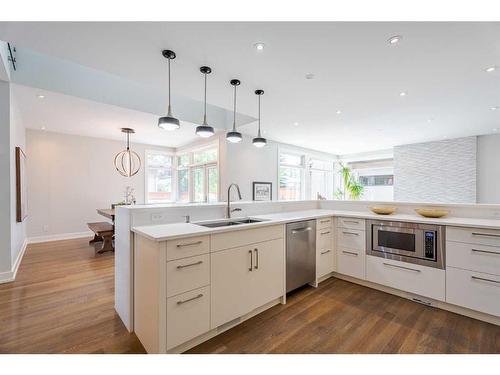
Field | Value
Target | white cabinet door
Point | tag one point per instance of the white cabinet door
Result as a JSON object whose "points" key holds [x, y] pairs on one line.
{"points": [[351, 262], [325, 252], [351, 238], [245, 278]]}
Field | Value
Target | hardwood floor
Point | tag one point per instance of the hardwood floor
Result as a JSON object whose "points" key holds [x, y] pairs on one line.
{"points": [[62, 302], [341, 317]]}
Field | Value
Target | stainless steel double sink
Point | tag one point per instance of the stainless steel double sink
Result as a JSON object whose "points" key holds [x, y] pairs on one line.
{"points": [[228, 222]]}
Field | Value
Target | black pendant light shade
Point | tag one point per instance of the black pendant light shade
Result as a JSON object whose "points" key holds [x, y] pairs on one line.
{"points": [[169, 122], [234, 136], [259, 141], [205, 130]]}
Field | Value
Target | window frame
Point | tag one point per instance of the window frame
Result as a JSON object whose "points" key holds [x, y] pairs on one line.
{"points": [[173, 171]]}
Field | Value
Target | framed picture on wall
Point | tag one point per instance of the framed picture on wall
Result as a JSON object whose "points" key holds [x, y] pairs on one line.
{"points": [[262, 191], [21, 192]]}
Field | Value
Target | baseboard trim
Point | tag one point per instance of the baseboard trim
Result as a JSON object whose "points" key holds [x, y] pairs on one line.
{"points": [[9, 276], [58, 237]]}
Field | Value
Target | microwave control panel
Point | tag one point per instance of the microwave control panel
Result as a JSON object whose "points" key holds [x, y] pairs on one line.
{"points": [[430, 245]]}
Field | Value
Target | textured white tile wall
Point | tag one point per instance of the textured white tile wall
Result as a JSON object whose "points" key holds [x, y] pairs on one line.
{"points": [[441, 172]]}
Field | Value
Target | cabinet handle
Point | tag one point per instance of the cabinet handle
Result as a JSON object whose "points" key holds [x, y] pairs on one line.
{"points": [[301, 230], [325, 252], [251, 260], [189, 265], [487, 280], [351, 221], [403, 268], [322, 233], [256, 258], [485, 251], [190, 244], [324, 221], [350, 253], [351, 233], [190, 299], [486, 235]]}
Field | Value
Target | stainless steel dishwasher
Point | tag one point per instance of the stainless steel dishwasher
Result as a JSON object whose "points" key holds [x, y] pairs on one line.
{"points": [[300, 254]]}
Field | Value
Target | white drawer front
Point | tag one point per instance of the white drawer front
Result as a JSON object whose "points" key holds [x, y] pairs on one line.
{"points": [[351, 262], [324, 239], [323, 223], [474, 290], [188, 247], [187, 274], [188, 316], [325, 262], [489, 237], [351, 223], [424, 281], [351, 238], [239, 238], [473, 257]]}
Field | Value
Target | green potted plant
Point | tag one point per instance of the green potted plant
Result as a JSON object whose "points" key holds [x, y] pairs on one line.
{"points": [[351, 187]]}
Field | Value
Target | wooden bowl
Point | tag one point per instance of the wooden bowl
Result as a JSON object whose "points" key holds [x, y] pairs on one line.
{"points": [[383, 210], [434, 213]]}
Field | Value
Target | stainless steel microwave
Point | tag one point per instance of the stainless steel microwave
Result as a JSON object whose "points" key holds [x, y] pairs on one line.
{"points": [[408, 242]]}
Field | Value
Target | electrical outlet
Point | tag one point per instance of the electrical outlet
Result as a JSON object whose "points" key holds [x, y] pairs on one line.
{"points": [[156, 217]]}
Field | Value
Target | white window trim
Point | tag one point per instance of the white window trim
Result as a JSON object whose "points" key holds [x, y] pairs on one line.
{"points": [[173, 172]]}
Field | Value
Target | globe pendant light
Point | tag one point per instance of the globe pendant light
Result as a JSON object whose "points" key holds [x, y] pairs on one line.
{"points": [[233, 136], [169, 122], [259, 141], [127, 162], [205, 130]]}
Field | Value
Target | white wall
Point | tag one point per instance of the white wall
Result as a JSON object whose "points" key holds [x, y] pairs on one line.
{"points": [[488, 168], [70, 177], [442, 171], [5, 194], [17, 138]]}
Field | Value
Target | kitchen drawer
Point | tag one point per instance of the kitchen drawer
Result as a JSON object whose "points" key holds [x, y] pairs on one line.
{"points": [[351, 238], [324, 223], [424, 281], [351, 223], [239, 238], [187, 274], [325, 262], [188, 316], [324, 239], [188, 247], [474, 290], [488, 237], [473, 257], [351, 262]]}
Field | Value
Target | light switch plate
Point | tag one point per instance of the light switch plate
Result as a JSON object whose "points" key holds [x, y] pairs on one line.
{"points": [[156, 217]]}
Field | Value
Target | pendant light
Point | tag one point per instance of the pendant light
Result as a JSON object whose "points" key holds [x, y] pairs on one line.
{"points": [[205, 130], [127, 162], [259, 141], [233, 136], [169, 122]]}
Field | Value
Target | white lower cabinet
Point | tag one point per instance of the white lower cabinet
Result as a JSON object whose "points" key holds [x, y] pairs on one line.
{"points": [[188, 316], [474, 290], [413, 278], [325, 247], [245, 278], [351, 262]]}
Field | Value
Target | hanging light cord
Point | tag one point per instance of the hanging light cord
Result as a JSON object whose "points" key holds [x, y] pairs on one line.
{"points": [[128, 141], [259, 116], [205, 104], [234, 114], [169, 86]]}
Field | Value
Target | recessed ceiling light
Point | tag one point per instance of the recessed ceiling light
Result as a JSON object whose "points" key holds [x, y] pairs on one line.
{"points": [[310, 76], [40, 96], [494, 108], [259, 46], [395, 39], [295, 124], [491, 69], [430, 120], [338, 112], [403, 93], [42, 127], [495, 129]]}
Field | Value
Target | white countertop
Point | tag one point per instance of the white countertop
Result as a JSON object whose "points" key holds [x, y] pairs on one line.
{"points": [[165, 232]]}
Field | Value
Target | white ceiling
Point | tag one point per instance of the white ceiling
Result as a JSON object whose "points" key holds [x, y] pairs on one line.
{"points": [[71, 115], [440, 66]]}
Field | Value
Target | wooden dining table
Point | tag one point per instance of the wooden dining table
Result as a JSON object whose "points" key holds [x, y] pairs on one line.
{"points": [[107, 213]]}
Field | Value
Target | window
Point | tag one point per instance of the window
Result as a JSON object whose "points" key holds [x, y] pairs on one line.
{"points": [[198, 175], [321, 178], [158, 177], [291, 176], [377, 180]]}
